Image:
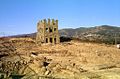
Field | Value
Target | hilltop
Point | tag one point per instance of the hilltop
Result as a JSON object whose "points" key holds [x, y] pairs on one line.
{"points": [[103, 34]]}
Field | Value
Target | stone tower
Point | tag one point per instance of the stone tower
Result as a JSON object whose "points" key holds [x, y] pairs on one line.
{"points": [[47, 32]]}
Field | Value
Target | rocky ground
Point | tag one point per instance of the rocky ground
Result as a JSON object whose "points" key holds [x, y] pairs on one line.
{"points": [[67, 60]]}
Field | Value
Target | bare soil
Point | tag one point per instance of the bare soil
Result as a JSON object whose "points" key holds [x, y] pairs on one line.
{"points": [[69, 60]]}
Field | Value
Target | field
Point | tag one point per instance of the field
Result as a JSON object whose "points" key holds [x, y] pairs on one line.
{"points": [[67, 60]]}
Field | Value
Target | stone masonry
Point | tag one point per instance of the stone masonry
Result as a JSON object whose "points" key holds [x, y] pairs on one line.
{"points": [[47, 32]]}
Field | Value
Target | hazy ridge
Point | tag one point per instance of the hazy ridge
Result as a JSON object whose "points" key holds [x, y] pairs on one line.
{"points": [[103, 33]]}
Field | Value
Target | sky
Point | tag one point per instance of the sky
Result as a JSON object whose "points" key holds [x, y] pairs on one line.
{"points": [[21, 16]]}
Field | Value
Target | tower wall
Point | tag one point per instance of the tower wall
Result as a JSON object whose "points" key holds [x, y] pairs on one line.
{"points": [[47, 32]]}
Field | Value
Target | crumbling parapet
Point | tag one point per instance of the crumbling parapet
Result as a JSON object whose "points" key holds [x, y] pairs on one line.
{"points": [[47, 32]]}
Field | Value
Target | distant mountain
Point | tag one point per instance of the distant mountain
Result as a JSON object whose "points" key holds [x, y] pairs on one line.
{"points": [[104, 33], [32, 35]]}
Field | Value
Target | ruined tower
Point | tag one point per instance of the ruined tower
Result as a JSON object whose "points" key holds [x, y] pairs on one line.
{"points": [[47, 32]]}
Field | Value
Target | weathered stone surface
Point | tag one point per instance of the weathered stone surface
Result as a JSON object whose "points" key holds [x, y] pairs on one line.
{"points": [[47, 32]]}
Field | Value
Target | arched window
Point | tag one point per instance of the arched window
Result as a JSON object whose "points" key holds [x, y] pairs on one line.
{"points": [[54, 29], [50, 40], [50, 29], [54, 40], [46, 40]]}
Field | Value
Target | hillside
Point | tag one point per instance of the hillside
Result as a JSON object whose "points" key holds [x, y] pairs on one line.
{"points": [[102, 33], [68, 60]]}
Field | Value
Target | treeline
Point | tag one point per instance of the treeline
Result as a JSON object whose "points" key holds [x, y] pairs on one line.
{"points": [[105, 41]]}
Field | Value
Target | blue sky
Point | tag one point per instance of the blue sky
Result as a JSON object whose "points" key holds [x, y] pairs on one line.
{"points": [[21, 16]]}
